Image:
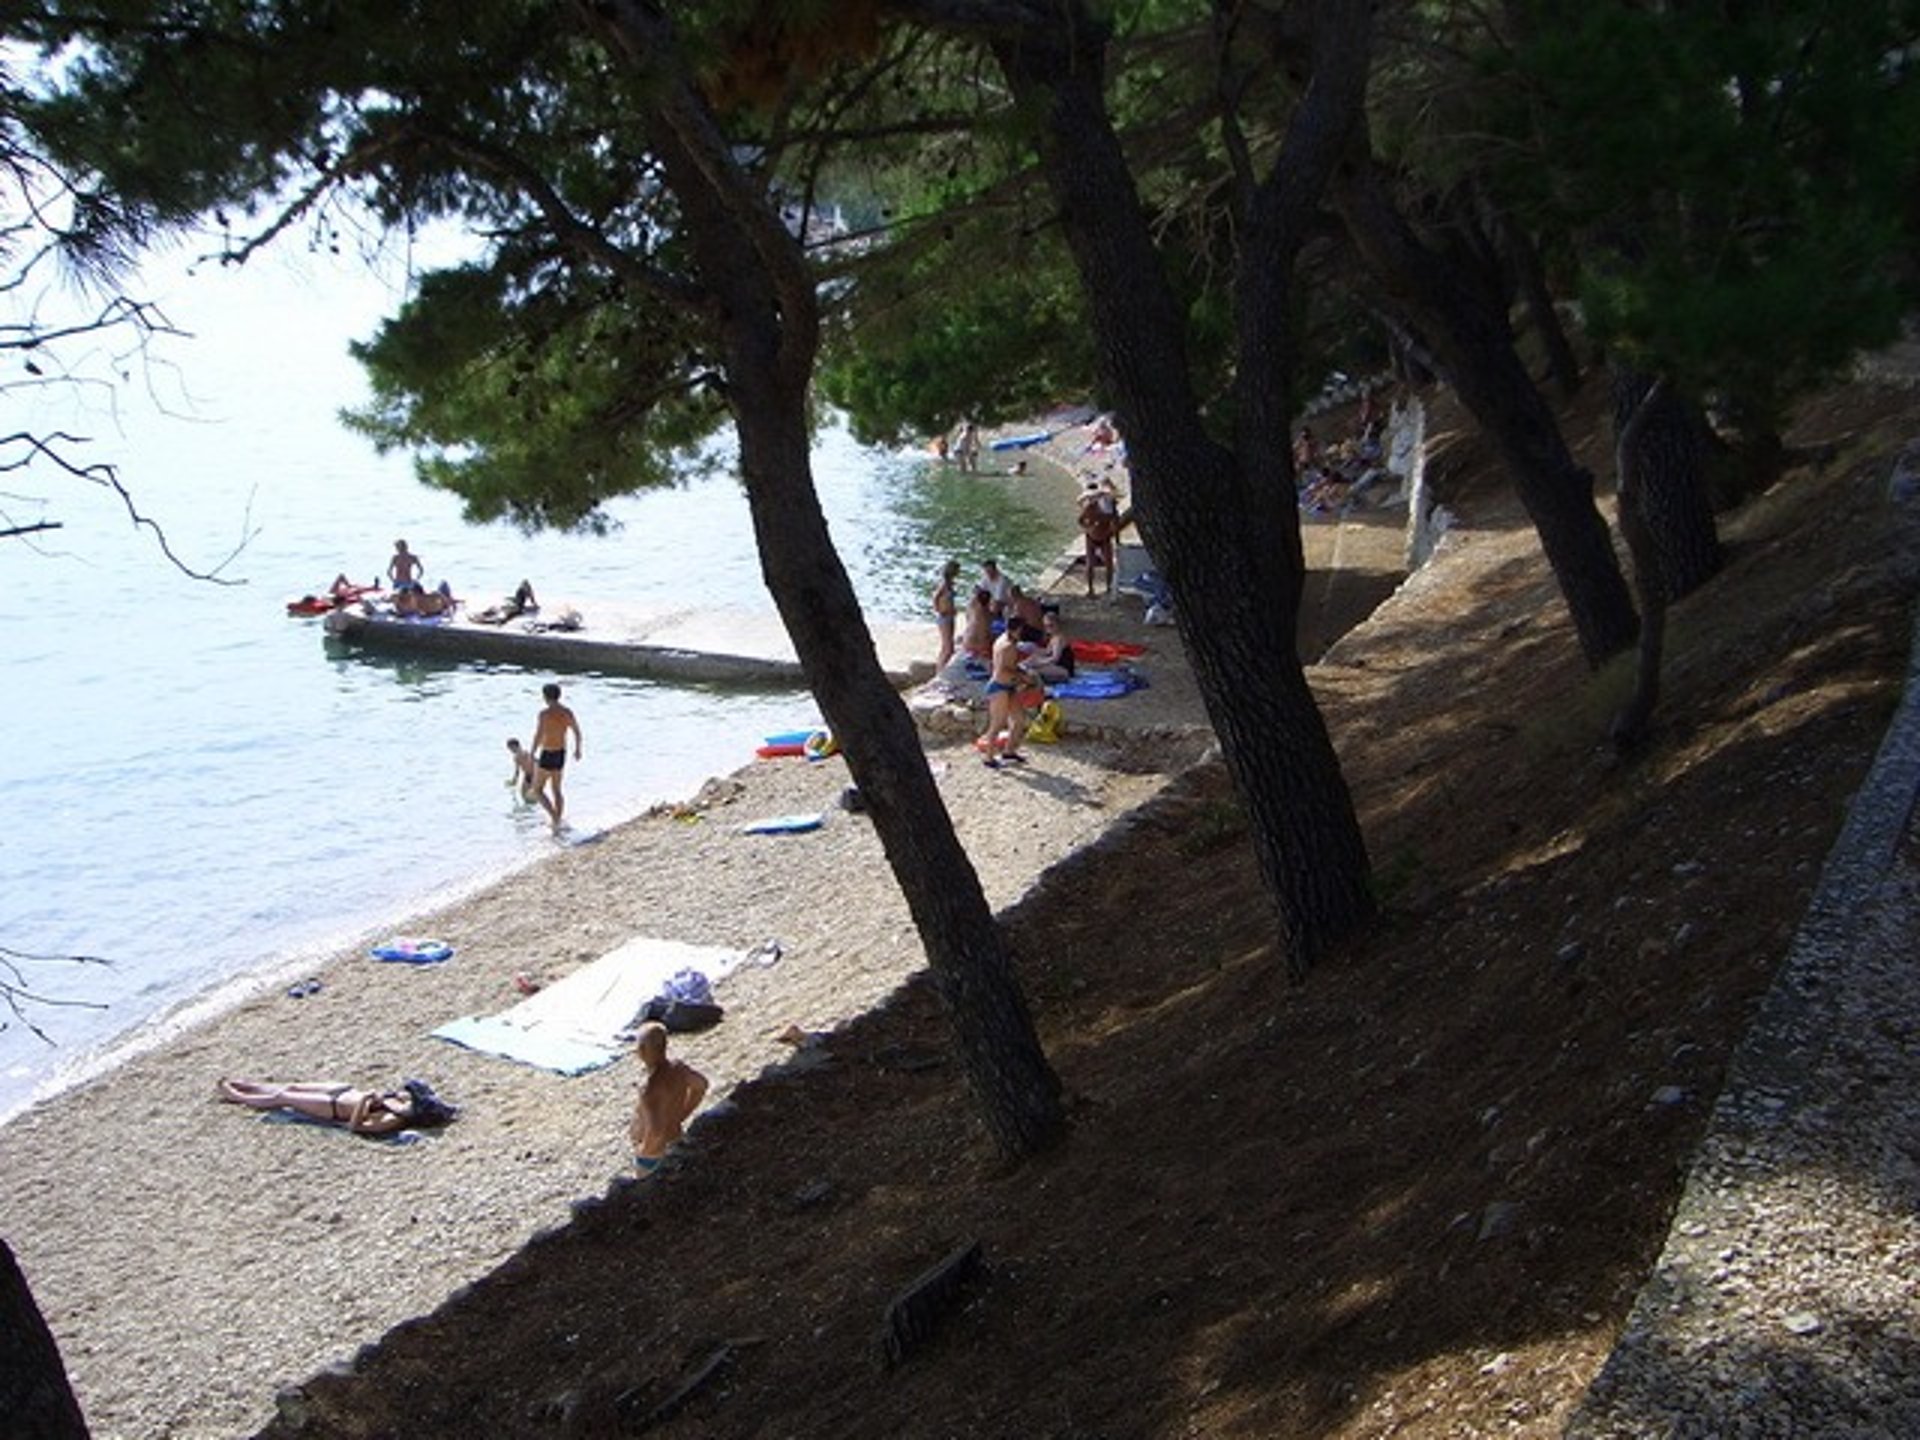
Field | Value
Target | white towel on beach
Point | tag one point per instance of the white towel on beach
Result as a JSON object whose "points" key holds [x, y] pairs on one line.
{"points": [[573, 1025]]}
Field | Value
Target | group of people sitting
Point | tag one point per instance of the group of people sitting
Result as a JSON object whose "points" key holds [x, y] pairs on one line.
{"points": [[995, 606], [1018, 641], [409, 595], [1335, 480]]}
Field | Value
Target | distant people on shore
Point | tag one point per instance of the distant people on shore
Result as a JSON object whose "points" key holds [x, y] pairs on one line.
{"points": [[1006, 721], [413, 1106], [526, 775], [976, 641], [1052, 660], [1102, 435], [997, 586], [1023, 608], [670, 1091], [551, 727], [1306, 457], [968, 446], [405, 569], [1099, 520], [945, 611]]}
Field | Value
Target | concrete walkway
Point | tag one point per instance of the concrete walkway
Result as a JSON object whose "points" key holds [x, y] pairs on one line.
{"points": [[1784, 1303]]}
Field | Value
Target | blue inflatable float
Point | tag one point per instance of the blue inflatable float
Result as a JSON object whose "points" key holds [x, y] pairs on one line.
{"points": [[413, 952]]}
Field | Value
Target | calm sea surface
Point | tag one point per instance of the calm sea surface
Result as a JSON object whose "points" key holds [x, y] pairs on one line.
{"points": [[197, 790]]}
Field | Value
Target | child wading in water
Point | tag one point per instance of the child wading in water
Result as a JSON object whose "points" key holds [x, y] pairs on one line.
{"points": [[526, 776]]}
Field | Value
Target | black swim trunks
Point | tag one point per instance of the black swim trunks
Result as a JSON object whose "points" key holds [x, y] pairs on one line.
{"points": [[553, 759]]}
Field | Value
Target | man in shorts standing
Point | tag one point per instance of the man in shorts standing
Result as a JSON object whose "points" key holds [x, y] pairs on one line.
{"points": [[1004, 716], [670, 1091], [550, 729]]}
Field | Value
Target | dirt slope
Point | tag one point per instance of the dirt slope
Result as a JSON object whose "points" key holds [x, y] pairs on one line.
{"points": [[1413, 1197]]}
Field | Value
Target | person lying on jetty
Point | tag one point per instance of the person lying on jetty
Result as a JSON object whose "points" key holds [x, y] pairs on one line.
{"points": [[413, 1106], [670, 1091], [521, 602]]}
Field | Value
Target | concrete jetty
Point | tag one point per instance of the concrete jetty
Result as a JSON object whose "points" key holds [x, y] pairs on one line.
{"points": [[697, 645]]}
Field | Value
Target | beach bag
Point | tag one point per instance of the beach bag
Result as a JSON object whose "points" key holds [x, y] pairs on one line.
{"points": [[1047, 721], [685, 1003]]}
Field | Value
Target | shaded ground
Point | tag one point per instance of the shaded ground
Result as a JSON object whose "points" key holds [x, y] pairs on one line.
{"points": [[1413, 1197]]}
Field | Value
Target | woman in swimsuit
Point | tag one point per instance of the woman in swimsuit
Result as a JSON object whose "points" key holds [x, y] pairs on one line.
{"points": [[365, 1112], [943, 611]]}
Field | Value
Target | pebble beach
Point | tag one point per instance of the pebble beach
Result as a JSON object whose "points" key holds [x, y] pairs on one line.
{"points": [[192, 1257]]}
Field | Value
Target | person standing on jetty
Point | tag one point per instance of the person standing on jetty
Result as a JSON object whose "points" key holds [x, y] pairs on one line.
{"points": [[405, 568], [550, 730], [670, 1091]]}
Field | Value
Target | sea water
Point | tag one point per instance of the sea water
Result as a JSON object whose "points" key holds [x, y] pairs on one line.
{"points": [[199, 788]]}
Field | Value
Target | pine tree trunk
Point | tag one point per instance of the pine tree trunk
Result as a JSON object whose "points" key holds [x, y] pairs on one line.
{"points": [[1524, 256], [1670, 454], [1639, 406], [769, 329], [1473, 341], [1221, 525], [1017, 1091], [36, 1402]]}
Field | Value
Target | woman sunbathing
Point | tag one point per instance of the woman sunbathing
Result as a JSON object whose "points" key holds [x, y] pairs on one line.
{"points": [[365, 1112], [521, 602]]}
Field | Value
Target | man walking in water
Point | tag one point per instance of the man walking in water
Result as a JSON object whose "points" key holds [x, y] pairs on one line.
{"points": [[670, 1091], [550, 729]]}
